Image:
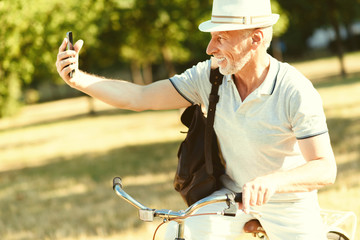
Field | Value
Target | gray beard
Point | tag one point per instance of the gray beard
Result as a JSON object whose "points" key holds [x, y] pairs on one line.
{"points": [[234, 68]]}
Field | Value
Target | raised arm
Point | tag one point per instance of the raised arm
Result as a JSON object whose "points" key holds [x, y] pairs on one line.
{"points": [[121, 94]]}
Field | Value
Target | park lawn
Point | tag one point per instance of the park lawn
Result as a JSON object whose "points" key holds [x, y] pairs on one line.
{"points": [[57, 164]]}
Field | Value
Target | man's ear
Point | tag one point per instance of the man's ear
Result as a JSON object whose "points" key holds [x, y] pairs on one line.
{"points": [[257, 38]]}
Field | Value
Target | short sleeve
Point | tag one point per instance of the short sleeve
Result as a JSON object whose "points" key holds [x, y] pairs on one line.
{"points": [[306, 111], [194, 82]]}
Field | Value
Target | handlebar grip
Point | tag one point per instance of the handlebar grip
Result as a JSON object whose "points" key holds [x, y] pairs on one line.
{"points": [[238, 197], [117, 181]]}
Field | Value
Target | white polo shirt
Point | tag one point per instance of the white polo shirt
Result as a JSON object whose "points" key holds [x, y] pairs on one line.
{"points": [[259, 135]]}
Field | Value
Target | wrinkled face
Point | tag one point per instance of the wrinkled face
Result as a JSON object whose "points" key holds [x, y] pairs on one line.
{"points": [[231, 49]]}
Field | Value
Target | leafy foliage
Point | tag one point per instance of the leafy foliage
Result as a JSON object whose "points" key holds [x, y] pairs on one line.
{"points": [[144, 32], [30, 33], [306, 16], [137, 33]]}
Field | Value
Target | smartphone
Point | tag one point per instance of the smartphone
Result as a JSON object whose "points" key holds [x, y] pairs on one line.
{"points": [[70, 46]]}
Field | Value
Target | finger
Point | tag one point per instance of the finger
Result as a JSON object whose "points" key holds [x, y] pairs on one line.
{"points": [[65, 67], [78, 45], [63, 45], [253, 195], [260, 197], [63, 62], [246, 200], [66, 70], [66, 62], [267, 196], [262, 194], [66, 54]]}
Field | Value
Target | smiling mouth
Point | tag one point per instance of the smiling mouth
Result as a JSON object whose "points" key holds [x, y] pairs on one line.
{"points": [[220, 60]]}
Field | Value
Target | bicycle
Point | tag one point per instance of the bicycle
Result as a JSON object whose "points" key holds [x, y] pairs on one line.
{"points": [[334, 231]]}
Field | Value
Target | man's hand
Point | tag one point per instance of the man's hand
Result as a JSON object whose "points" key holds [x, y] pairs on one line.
{"points": [[257, 193], [68, 60]]}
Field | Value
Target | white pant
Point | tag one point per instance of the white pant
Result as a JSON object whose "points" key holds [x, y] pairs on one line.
{"points": [[299, 220]]}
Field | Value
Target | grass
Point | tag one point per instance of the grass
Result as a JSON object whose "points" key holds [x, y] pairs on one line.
{"points": [[342, 106], [57, 164]]}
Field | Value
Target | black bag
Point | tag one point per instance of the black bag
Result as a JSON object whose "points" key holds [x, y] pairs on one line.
{"points": [[199, 165]]}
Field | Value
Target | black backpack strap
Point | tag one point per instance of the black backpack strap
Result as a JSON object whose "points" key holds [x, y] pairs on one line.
{"points": [[216, 80]]}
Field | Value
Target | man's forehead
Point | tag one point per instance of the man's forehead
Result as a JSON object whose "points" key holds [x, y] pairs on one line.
{"points": [[219, 33], [222, 34]]}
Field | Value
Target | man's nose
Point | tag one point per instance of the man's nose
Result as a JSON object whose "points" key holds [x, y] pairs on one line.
{"points": [[211, 48]]}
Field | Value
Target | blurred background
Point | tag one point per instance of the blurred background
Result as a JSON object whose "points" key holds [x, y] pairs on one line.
{"points": [[60, 149]]}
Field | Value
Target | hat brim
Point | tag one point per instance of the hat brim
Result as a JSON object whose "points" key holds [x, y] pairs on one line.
{"points": [[209, 26]]}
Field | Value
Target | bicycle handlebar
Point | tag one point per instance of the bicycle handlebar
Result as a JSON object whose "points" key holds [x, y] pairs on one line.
{"points": [[117, 186], [117, 181], [148, 214]]}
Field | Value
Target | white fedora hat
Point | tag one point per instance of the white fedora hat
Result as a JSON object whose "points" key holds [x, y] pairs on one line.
{"points": [[230, 15]]}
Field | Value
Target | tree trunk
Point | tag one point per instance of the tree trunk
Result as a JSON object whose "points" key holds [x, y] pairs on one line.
{"points": [[350, 37], [136, 73], [276, 49], [338, 42], [147, 73], [91, 105], [168, 61]]}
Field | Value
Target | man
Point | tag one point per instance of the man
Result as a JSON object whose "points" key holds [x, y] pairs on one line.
{"points": [[269, 121]]}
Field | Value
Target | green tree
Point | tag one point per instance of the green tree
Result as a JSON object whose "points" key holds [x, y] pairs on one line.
{"points": [[306, 16], [159, 32], [279, 29], [14, 68], [30, 34], [141, 34]]}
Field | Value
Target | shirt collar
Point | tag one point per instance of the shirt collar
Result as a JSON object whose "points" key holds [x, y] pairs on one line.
{"points": [[267, 87]]}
